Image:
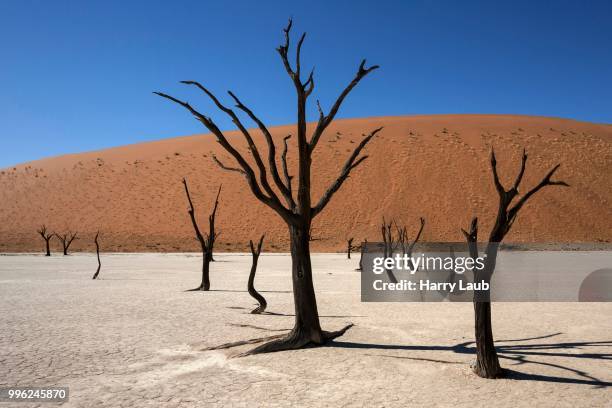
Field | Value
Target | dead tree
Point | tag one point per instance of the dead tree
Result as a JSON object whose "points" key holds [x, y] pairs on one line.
{"points": [[362, 250], [207, 241], [297, 208], [389, 246], [66, 240], [251, 287], [47, 237], [487, 363], [388, 238], [349, 247], [98, 255]]}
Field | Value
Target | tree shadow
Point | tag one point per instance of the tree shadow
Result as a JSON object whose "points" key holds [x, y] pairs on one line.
{"points": [[518, 353], [268, 313], [236, 290]]}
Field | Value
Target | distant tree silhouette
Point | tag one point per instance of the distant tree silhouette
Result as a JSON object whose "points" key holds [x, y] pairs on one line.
{"points": [[487, 362], [256, 251], [297, 210], [66, 239], [362, 250], [349, 247], [98, 255], [47, 237], [207, 241]]}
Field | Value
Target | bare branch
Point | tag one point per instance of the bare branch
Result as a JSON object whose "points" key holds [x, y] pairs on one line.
{"points": [[498, 185], [472, 238], [252, 146], [325, 120], [248, 170], [298, 51], [418, 235], [271, 149], [472, 235], [283, 51], [309, 84], [546, 181], [519, 178], [224, 167], [286, 168], [350, 164], [191, 211]]}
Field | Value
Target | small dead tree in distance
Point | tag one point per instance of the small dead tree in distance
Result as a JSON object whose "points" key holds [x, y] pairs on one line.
{"points": [[47, 237], [362, 250], [251, 284], [207, 241], [487, 362], [349, 247], [389, 246], [66, 239], [297, 210], [98, 254]]}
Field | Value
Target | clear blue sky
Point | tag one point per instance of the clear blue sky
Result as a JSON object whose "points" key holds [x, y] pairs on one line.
{"points": [[78, 75]]}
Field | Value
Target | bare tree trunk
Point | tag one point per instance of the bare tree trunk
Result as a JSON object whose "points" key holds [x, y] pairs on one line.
{"points": [[388, 249], [251, 284], [362, 251], [206, 259], [98, 255]]}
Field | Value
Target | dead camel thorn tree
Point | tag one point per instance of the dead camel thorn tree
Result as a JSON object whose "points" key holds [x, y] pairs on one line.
{"points": [[251, 286], [391, 243], [350, 247], [66, 240], [363, 249], [297, 210], [402, 238], [487, 362], [98, 255], [47, 237], [207, 241]]}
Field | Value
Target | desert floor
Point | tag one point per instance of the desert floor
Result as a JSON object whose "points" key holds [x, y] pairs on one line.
{"points": [[135, 338]]}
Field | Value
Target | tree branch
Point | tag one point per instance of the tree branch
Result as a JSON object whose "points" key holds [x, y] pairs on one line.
{"points": [[286, 168], [271, 149], [546, 181], [350, 164], [252, 146], [224, 167], [248, 170], [325, 120], [191, 211]]}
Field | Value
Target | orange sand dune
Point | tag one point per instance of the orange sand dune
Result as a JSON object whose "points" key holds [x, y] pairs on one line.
{"points": [[430, 166]]}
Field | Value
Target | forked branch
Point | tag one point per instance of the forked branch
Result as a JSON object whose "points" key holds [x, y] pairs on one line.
{"points": [[506, 214], [352, 162]]}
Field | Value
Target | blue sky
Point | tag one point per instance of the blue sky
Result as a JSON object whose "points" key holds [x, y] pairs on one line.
{"points": [[78, 75]]}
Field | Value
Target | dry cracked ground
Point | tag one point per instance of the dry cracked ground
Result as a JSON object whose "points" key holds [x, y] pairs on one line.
{"points": [[135, 339]]}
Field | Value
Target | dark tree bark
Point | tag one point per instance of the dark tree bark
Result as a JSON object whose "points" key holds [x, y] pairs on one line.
{"points": [[98, 255], [66, 240], [363, 248], [349, 247], [256, 251], [487, 362], [388, 246], [207, 241], [297, 210], [47, 237]]}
